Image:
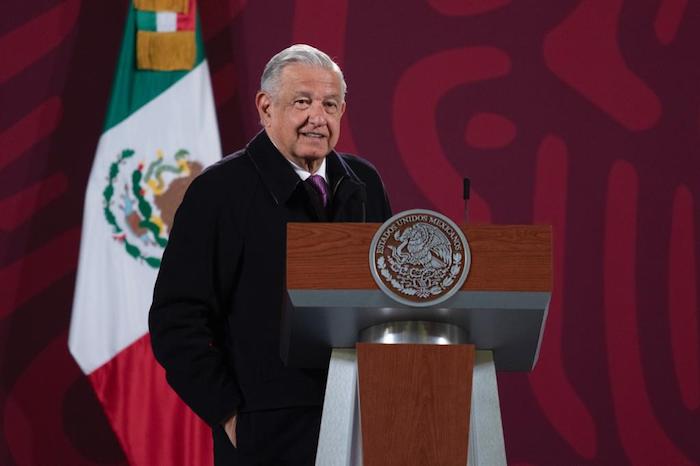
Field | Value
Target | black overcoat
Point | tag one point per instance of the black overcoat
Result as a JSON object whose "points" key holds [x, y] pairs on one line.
{"points": [[215, 318]]}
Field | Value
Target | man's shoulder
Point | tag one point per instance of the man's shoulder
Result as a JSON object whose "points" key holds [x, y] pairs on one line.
{"points": [[235, 164], [230, 171], [226, 178], [362, 167], [378, 208]]}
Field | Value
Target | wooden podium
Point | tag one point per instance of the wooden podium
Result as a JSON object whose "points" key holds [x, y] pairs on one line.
{"points": [[432, 398]]}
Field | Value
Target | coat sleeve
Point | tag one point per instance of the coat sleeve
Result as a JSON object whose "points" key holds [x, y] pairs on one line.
{"points": [[187, 317]]}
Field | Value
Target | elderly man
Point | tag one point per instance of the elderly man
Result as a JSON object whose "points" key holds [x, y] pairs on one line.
{"points": [[215, 318]]}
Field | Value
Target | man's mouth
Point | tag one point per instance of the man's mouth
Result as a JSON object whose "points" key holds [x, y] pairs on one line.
{"points": [[314, 135]]}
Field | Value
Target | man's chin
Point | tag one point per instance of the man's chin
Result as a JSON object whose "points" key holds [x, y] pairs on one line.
{"points": [[312, 160], [314, 154], [309, 161]]}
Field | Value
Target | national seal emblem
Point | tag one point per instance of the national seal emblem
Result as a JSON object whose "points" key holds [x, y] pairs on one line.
{"points": [[419, 258]]}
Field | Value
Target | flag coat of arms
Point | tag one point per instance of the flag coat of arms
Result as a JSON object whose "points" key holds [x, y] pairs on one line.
{"points": [[160, 132]]}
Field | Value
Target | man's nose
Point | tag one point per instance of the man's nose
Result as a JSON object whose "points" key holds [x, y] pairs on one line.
{"points": [[317, 114]]}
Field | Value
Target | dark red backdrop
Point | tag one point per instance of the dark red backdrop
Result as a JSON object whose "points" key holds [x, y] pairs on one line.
{"points": [[581, 114]]}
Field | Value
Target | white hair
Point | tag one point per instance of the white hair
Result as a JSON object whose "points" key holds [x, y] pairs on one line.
{"points": [[298, 53]]}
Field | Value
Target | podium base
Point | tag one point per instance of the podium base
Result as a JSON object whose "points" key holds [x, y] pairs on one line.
{"points": [[486, 445], [340, 441]]}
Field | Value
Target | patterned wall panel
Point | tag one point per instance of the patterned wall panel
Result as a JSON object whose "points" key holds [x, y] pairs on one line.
{"points": [[582, 114]]}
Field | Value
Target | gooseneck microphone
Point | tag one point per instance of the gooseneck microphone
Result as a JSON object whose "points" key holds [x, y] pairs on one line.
{"points": [[465, 195]]}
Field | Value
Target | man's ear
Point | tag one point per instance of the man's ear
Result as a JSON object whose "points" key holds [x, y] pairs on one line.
{"points": [[264, 106]]}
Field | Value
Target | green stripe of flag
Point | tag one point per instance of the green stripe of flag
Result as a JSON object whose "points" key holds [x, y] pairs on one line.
{"points": [[132, 88], [145, 20]]}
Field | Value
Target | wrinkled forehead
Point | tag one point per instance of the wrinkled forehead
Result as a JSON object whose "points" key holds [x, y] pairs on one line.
{"points": [[316, 81]]}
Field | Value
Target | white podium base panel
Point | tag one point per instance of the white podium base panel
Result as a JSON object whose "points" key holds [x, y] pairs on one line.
{"points": [[340, 442], [486, 445]]}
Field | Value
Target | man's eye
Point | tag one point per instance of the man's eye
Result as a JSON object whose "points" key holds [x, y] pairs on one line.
{"points": [[301, 103], [331, 107]]}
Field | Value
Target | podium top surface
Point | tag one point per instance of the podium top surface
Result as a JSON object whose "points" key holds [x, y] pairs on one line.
{"points": [[336, 256]]}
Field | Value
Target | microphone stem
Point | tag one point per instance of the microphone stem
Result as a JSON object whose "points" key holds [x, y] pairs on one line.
{"points": [[466, 187]]}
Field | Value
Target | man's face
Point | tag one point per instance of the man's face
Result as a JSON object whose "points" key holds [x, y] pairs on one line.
{"points": [[303, 118]]}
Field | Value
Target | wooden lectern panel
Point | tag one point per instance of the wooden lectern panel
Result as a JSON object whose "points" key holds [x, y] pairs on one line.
{"points": [[414, 403], [336, 256]]}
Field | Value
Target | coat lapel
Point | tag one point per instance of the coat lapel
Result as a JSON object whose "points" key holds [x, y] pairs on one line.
{"points": [[347, 190], [274, 170]]}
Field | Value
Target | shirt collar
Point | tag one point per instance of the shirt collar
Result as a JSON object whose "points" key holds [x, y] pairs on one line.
{"points": [[304, 174], [275, 171]]}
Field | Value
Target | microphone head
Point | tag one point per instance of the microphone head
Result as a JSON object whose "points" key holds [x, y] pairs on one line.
{"points": [[466, 187]]}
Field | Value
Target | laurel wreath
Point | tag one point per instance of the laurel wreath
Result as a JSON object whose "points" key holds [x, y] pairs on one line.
{"points": [[143, 206], [421, 292]]}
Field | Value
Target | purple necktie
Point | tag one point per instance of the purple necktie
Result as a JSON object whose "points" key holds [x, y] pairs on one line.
{"points": [[321, 188]]}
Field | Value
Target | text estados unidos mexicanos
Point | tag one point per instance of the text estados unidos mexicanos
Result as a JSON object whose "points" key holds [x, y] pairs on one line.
{"points": [[418, 218]]}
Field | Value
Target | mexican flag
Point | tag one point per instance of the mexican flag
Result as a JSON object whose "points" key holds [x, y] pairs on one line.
{"points": [[160, 132]]}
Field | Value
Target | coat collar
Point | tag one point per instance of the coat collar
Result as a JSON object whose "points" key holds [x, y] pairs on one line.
{"points": [[280, 179], [274, 170]]}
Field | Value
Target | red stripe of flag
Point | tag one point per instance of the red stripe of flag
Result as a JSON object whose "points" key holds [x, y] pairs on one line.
{"points": [[152, 424], [186, 21]]}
